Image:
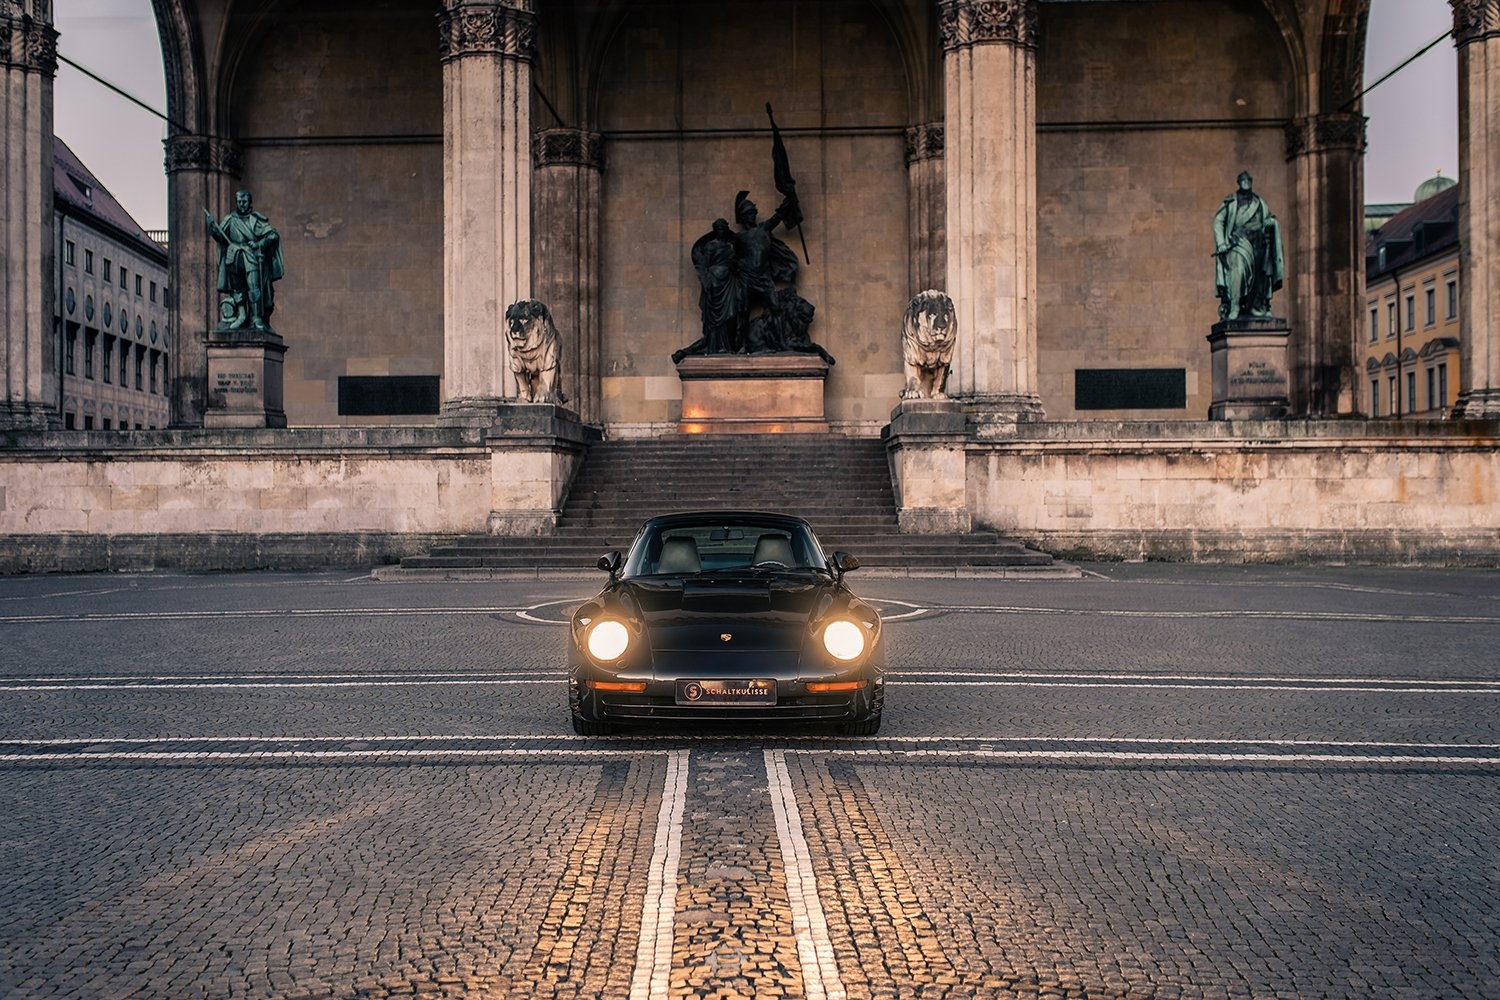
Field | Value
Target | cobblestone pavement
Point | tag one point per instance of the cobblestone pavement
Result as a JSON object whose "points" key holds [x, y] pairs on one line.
{"points": [[1159, 781]]}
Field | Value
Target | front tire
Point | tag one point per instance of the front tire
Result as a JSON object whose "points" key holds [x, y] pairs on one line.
{"points": [[865, 727], [588, 727]]}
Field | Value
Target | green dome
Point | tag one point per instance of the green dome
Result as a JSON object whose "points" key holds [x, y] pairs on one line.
{"points": [[1432, 186]]}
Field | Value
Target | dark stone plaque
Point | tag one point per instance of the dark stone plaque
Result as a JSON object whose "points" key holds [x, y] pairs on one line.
{"points": [[388, 395], [1130, 389]]}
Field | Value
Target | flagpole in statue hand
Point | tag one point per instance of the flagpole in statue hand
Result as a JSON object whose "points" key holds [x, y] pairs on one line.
{"points": [[785, 185]]}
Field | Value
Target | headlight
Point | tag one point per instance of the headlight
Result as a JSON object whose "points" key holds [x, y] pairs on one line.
{"points": [[607, 640], [844, 640]]}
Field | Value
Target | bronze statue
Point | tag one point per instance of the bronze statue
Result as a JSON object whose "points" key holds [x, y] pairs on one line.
{"points": [[747, 302], [1248, 261], [249, 263]]}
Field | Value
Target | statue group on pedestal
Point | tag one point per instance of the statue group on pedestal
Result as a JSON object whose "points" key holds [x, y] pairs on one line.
{"points": [[749, 303]]}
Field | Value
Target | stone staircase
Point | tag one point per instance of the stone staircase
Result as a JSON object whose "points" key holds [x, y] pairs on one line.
{"points": [[841, 485]]}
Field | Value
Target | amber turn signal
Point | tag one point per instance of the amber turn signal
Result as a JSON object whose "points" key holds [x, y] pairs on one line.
{"points": [[824, 688], [634, 686]]}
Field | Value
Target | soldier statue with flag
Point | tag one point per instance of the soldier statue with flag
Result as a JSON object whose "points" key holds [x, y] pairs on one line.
{"points": [[748, 302]]}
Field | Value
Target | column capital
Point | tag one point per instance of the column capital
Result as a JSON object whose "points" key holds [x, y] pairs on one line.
{"points": [[1475, 20], [28, 41], [575, 146], [962, 23], [1343, 131], [505, 28], [207, 153], [924, 142]]}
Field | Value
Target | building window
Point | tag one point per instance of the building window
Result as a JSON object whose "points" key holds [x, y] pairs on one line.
{"points": [[88, 422], [88, 353], [1374, 397], [1432, 399], [70, 421], [1391, 318], [140, 363], [109, 270], [1443, 384], [106, 423], [124, 280], [124, 363], [88, 266], [1395, 403], [70, 351], [68, 251], [153, 291], [109, 358], [1411, 313], [137, 285], [1452, 299], [1431, 306], [1411, 392], [1374, 325]]}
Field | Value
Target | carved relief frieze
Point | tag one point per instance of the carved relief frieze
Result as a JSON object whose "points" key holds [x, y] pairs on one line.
{"points": [[27, 42], [924, 142], [1325, 133], [203, 152], [1474, 20], [505, 29], [554, 146], [985, 22]]}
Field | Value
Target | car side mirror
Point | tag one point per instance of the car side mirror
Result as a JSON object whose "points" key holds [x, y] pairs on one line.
{"points": [[843, 562], [610, 562]]}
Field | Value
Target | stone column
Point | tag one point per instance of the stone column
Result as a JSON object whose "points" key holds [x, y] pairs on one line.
{"points": [[202, 171], [565, 267], [1476, 31], [989, 70], [486, 48], [1327, 157], [28, 63], [926, 207]]}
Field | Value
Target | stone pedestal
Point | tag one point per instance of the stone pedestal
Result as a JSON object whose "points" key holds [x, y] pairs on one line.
{"points": [[535, 449], [1249, 362], [926, 444], [752, 393], [244, 379]]}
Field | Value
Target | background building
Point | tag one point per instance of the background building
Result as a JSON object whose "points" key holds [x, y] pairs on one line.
{"points": [[111, 308], [1411, 353]]}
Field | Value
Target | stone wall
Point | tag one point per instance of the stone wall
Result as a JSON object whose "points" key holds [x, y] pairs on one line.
{"points": [[1132, 164], [1277, 491], [681, 98], [353, 180], [266, 499]]}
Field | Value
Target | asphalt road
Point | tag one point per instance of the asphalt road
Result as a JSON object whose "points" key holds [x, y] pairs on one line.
{"points": [[1159, 781]]}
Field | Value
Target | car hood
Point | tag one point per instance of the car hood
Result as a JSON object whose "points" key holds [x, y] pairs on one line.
{"points": [[759, 611]]}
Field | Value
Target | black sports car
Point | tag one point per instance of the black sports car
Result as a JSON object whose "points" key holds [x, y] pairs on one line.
{"points": [[726, 616]]}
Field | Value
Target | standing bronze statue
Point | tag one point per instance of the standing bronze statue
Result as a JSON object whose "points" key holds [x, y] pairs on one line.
{"points": [[249, 263], [1248, 261]]}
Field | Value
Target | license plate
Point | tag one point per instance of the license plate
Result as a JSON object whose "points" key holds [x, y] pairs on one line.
{"points": [[726, 692]]}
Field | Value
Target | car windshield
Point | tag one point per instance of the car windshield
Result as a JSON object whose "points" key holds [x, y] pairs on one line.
{"points": [[703, 547]]}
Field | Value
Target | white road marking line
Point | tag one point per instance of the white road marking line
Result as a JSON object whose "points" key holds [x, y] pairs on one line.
{"points": [[233, 685], [1142, 686], [166, 756], [1136, 756], [254, 613], [647, 737], [1312, 616], [653, 953], [820, 970], [1268, 679]]}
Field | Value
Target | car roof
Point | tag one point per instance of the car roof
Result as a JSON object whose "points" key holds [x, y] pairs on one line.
{"points": [[725, 517]]}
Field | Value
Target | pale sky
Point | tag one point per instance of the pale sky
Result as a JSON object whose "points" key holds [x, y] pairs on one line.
{"points": [[1413, 129]]}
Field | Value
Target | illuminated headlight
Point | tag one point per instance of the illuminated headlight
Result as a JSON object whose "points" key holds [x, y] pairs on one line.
{"points": [[607, 640], [844, 640]]}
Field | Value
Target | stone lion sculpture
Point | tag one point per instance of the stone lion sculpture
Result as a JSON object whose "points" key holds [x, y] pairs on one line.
{"points": [[928, 332], [534, 351]]}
